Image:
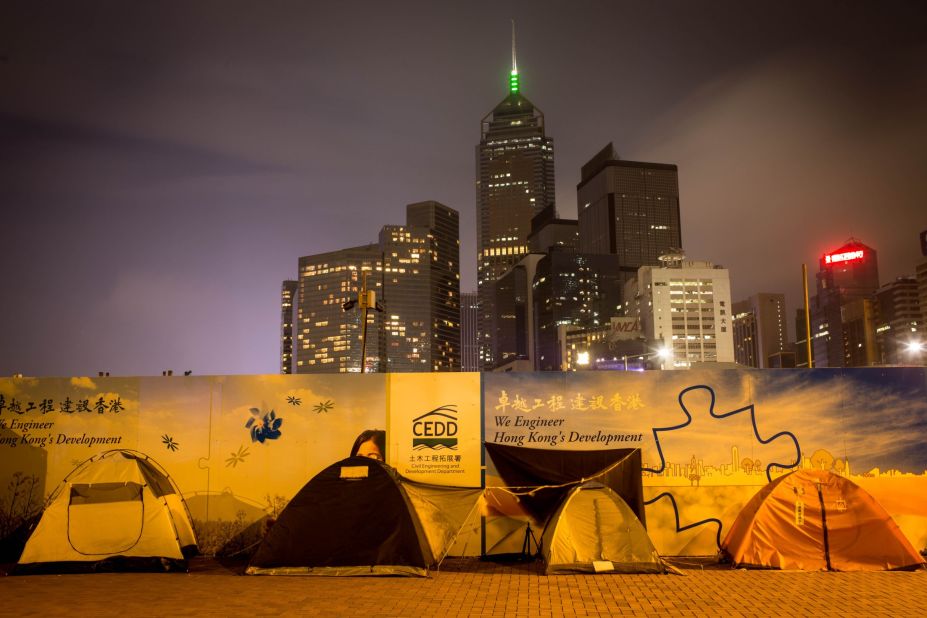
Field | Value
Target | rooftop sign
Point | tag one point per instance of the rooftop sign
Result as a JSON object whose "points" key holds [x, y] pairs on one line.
{"points": [[847, 256]]}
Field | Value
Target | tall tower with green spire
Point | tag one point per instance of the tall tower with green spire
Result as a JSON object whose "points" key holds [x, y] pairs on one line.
{"points": [[514, 182]]}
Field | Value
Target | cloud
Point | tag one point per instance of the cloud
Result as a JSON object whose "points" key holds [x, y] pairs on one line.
{"points": [[86, 383], [850, 414]]}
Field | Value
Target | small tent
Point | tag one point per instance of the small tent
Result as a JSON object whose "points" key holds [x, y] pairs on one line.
{"points": [[594, 530], [543, 477], [118, 509], [359, 517], [535, 483], [817, 520]]}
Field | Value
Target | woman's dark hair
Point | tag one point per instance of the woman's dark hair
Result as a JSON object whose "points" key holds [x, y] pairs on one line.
{"points": [[377, 435]]}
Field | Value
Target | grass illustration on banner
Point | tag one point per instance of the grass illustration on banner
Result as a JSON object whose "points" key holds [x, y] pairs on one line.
{"points": [[169, 443], [323, 406], [237, 457], [264, 426]]}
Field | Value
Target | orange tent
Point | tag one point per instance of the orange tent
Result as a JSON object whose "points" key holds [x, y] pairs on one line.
{"points": [[817, 520]]}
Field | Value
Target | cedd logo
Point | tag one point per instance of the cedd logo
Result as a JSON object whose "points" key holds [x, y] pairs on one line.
{"points": [[436, 429]]}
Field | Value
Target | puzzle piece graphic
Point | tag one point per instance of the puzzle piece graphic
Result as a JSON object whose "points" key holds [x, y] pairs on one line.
{"points": [[716, 416]]}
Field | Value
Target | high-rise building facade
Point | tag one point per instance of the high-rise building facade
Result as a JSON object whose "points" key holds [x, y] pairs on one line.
{"points": [[800, 347], [287, 304], [328, 338], [899, 320], [629, 209], [571, 289], [414, 271], [858, 330], [685, 307], [514, 320], [552, 287], [921, 278], [759, 326], [421, 289], [515, 324], [469, 347], [515, 181], [849, 273]]}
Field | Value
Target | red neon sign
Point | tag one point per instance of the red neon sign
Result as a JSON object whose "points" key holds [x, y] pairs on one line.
{"points": [[847, 256]]}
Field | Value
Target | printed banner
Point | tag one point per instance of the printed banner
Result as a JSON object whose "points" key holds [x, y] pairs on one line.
{"points": [[435, 427], [240, 447], [710, 439]]}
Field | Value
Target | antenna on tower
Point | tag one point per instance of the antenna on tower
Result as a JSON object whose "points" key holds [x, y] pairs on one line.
{"points": [[513, 76], [514, 64]]}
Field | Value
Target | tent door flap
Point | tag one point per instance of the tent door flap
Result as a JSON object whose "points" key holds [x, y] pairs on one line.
{"points": [[105, 518]]}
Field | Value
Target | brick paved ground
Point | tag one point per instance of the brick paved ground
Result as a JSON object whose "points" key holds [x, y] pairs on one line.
{"points": [[467, 588]]}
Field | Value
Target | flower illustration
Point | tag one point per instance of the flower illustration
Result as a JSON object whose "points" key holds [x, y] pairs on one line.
{"points": [[169, 442], [323, 406], [294, 400], [237, 458], [266, 427]]}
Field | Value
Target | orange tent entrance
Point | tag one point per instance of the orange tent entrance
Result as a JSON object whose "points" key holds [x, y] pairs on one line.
{"points": [[817, 520]]}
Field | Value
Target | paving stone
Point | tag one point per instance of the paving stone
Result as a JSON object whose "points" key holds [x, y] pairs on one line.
{"points": [[467, 587]]}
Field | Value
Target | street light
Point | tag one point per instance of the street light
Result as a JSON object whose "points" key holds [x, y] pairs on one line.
{"points": [[664, 353], [914, 349], [366, 300]]}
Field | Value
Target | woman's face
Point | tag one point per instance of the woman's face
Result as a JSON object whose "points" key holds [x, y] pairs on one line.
{"points": [[370, 449]]}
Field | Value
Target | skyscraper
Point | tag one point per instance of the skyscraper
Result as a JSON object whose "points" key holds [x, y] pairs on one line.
{"points": [[515, 181], [514, 323], [421, 289], [414, 270], [628, 208], [287, 301], [759, 326], [899, 320], [570, 289], [469, 348], [846, 274], [328, 338]]}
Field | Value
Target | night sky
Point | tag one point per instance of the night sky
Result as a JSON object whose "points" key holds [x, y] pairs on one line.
{"points": [[164, 164]]}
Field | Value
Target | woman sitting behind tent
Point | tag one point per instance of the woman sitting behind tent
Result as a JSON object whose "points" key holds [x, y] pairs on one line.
{"points": [[370, 443]]}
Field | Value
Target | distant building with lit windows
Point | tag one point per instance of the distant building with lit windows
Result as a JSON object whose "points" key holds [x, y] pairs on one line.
{"points": [[287, 303], [899, 321], [629, 209], [328, 339], [514, 320], [551, 287], [574, 289], [846, 274], [759, 326], [858, 329], [421, 289], [685, 308], [414, 270], [515, 181], [469, 347]]}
